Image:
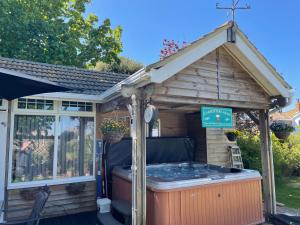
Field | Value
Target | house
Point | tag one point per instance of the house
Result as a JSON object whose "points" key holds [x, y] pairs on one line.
{"points": [[59, 131], [53, 135], [292, 116]]}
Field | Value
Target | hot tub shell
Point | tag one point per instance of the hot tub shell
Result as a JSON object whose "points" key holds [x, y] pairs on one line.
{"points": [[234, 199]]}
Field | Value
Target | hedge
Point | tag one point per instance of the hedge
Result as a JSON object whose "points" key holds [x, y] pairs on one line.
{"points": [[286, 154]]}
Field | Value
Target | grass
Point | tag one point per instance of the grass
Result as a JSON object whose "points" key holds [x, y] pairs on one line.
{"points": [[288, 192]]}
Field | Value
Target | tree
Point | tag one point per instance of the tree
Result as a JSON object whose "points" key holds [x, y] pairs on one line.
{"points": [[170, 48], [245, 124], [126, 66], [56, 32]]}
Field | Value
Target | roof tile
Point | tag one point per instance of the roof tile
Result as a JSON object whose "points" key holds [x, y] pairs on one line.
{"points": [[80, 80]]}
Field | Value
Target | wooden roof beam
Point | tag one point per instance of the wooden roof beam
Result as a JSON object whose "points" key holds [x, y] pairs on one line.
{"points": [[160, 99]]}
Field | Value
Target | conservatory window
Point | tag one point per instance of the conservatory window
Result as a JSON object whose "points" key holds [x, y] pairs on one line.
{"points": [[51, 146], [77, 106], [33, 148], [76, 144], [37, 104]]}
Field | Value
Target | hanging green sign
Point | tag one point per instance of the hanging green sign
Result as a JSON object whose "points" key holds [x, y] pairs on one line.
{"points": [[213, 117]]}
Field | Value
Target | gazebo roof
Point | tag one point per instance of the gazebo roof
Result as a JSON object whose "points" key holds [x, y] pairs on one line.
{"points": [[244, 52]]}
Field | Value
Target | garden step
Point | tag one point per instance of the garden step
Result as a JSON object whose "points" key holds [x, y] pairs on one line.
{"points": [[107, 219]]}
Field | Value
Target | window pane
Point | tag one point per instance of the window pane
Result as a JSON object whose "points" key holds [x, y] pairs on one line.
{"points": [[40, 104], [77, 106], [22, 103], [76, 145], [31, 104], [33, 148]]}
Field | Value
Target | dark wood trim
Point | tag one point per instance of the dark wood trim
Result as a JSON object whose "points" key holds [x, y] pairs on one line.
{"points": [[253, 118]]}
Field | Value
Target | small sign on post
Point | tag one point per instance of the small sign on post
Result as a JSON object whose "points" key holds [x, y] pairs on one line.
{"points": [[213, 117]]}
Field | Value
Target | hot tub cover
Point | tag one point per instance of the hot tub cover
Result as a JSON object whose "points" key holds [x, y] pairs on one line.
{"points": [[159, 150]]}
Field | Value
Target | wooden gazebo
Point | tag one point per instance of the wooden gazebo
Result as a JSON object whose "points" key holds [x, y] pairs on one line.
{"points": [[222, 69]]}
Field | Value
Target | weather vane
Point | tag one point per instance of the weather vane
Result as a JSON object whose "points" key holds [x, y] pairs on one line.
{"points": [[233, 8]]}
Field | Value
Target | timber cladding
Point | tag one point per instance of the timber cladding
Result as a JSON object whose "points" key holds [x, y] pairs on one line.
{"points": [[215, 77], [217, 145], [172, 123], [211, 143], [59, 203]]}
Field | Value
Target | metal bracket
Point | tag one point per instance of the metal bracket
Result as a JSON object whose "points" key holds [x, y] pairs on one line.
{"points": [[231, 34]]}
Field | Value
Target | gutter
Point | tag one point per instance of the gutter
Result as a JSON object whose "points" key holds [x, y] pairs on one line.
{"points": [[115, 91], [282, 102], [69, 96]]}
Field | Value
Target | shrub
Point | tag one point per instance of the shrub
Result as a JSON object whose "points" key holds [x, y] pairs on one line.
{"points": [[250, 148], [286, 155], [126, 66], [292, 155]]}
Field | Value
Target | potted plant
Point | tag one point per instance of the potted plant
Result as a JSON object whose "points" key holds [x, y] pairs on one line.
{"points": [[232, 135], [113, 130], [281, 129]]}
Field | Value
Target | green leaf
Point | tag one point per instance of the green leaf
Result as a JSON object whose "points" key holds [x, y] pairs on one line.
{"points": [[56, 32]]}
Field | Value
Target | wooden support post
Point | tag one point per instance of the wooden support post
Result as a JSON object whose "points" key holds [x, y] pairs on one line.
{"points": [[138, 161], [267, 164]]}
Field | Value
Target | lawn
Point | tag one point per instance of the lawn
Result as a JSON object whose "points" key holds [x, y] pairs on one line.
{"points": [[288, 192]]}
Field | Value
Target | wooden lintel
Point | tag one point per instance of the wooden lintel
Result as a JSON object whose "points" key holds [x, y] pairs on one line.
{"points": [[183, 108], [202, 101]]}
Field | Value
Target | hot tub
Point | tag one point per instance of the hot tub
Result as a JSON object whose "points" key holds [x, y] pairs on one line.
{"points": [[196, 194]]}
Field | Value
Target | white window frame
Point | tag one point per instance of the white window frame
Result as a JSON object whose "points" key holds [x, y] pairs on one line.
{"points": [[56, 112], [4, 105]]}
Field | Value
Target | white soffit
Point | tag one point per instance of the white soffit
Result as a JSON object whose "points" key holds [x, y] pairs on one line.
{"points": [[242, 50], [260, 70], [203, 48]]}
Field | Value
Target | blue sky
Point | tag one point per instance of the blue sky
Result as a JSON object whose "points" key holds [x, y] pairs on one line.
{"points": [[273, 26]]}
